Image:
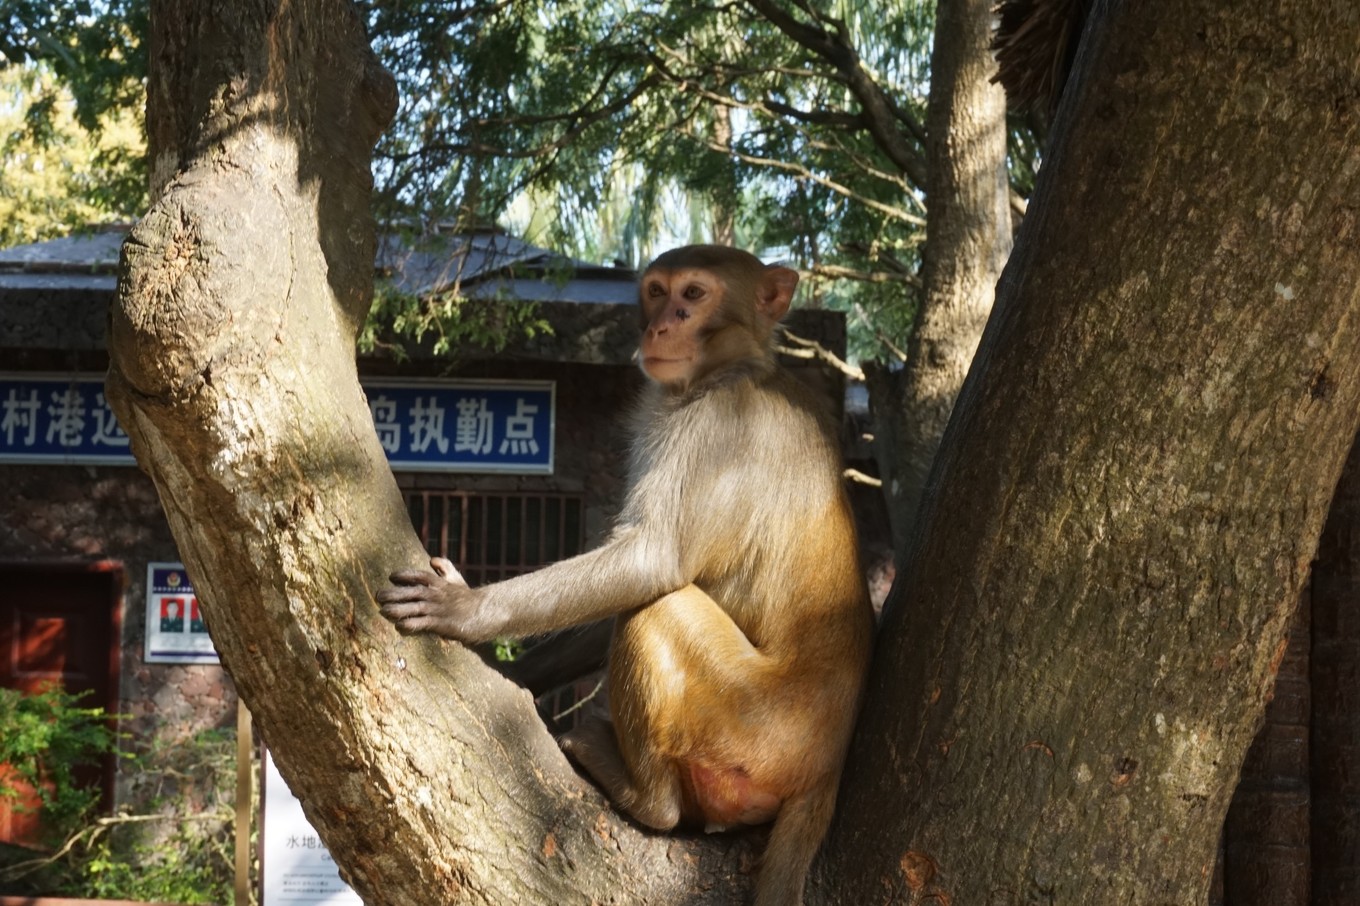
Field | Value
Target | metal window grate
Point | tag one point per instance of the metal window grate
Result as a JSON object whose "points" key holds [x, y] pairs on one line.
{"points": [[490, 537]]}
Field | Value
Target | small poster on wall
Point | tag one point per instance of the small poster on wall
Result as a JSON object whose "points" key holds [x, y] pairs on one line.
{"points": [[175, 631]]}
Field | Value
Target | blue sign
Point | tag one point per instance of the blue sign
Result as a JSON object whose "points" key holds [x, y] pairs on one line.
{"points": [[59, 419], [467, 426], [444, 426]]}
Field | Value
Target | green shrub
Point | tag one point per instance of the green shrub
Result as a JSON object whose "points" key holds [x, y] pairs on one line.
{"points": [[179, 850], [44, 737]]}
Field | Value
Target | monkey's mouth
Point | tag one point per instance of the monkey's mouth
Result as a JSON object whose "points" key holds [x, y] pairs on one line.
{"points": [[656, 361]]}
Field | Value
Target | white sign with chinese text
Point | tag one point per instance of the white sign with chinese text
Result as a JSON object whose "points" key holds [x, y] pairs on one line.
{"points": [[296, 869]]}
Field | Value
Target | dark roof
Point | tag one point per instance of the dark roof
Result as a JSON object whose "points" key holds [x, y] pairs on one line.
{"points": [[489, 265], [480, 265], [89, 251], [82, 261], [54, 295]]}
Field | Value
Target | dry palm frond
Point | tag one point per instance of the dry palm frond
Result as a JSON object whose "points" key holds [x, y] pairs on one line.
{"points": [[1035, 43]]}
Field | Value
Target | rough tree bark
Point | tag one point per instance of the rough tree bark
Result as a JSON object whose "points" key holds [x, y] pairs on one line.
{"points": [[1127, 499], [1130, 493], [968, 239], [428, 776]]}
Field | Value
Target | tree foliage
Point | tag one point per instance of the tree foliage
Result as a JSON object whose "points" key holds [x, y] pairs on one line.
{"points": [[55, 176], [607, 129], [67, 65], [789, 127]]}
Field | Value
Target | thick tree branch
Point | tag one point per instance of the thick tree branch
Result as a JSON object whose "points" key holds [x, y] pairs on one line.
{"points": [[1119, 524], [885, 117], [232, 368]]}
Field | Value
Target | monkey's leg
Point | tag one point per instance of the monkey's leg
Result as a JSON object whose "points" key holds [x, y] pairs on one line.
{"points": [[656, 804], [683, 682]]}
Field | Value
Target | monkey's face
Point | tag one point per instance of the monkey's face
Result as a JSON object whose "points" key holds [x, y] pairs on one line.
{"points": [[680, 307], [706, 308]]}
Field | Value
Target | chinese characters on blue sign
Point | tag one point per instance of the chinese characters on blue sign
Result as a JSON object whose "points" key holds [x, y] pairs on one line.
{"points": [[466, 426], [59, 420]]}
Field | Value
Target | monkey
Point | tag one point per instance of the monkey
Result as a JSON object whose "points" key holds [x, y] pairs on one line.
{"points": [[742, 622]]}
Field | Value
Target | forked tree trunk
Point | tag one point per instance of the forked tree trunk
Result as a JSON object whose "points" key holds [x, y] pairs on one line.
{"points": [[1130, 493], [428, 776], [1128, 498]]}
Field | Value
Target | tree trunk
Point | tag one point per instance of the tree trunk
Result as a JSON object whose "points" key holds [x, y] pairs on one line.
{"points": [[1124, 508], [967, 241], [1335, 742], [1128, 498], [428, 776]]}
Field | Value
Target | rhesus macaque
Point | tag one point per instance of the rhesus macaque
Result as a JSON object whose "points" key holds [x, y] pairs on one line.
{"points": [[743, 622]]}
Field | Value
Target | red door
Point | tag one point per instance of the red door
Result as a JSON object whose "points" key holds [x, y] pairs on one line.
{"points": [[59, 624]]}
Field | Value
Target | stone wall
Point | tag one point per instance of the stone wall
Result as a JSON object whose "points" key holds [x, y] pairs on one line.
{"points": [[64, 514]]}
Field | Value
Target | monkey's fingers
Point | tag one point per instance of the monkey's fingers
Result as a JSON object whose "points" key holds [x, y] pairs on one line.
{"points": [[426, 616], [415, 577], [409, 617], [398, 594], [397, 611]]}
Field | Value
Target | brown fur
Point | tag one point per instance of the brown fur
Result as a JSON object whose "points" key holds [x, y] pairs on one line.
{"points": [[743, 622]]}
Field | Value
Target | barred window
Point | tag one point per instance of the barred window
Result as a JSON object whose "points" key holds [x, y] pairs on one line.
{"points": [[491, 537]]}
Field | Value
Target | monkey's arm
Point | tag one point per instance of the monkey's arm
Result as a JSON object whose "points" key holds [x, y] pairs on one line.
{"points": [[635, 567]]}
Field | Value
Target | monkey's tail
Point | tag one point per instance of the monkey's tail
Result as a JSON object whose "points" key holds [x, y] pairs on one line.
{"points": [[795, 838]]}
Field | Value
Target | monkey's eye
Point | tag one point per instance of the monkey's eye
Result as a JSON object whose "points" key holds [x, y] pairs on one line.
{"points": [[656, 290], [693, 291]]}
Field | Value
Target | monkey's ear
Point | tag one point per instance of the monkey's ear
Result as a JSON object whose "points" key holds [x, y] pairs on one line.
{"points": [[776, 292]]}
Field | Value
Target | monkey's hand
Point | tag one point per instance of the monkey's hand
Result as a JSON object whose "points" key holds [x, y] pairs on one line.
{"points": [[439, 602]]}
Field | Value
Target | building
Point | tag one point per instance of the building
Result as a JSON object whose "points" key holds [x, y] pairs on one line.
{"points": [[90, 590], [78, 539]]}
